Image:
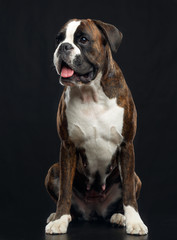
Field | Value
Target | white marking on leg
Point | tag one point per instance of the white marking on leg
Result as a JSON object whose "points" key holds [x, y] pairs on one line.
{"points": [[118, 219], [58, 226], [134, 223]]}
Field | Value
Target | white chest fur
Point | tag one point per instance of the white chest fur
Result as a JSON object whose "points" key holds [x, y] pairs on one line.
{"points": [[95, 123]]}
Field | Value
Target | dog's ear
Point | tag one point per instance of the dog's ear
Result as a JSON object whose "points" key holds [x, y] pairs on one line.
{"points": [[111, 33]]}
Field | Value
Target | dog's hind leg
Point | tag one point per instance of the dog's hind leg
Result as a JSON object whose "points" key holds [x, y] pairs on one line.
{"points": [[52, 181], [52, 186], [138, 185]]}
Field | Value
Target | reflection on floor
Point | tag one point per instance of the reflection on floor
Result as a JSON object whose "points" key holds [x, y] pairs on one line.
{"points": [[160, 228]]}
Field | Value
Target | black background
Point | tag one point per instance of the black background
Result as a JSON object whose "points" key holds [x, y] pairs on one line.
{"points": [[30, 93]]}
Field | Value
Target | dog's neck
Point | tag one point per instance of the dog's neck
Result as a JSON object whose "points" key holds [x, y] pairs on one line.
{"points": [[87, 93]]}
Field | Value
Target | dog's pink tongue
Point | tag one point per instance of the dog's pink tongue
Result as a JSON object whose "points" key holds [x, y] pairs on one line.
{"points": [[67, 72]]}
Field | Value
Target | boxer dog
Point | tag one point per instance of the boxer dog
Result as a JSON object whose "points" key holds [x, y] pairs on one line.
{"points": [[96, 122]]}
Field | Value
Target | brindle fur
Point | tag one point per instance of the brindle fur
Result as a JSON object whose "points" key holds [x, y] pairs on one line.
{"points": [[70, 167]]}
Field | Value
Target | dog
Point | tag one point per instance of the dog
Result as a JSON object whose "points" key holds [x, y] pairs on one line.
{"points": [[96, 122]]}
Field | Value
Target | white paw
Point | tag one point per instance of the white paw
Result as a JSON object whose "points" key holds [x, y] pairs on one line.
{"points": [[134, 223], [58, 226], [137, 228], [118, 218], [51, 217]]}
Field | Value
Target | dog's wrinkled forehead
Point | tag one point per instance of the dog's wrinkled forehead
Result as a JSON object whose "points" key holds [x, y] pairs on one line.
{"points": [[96, 29], [76, 27], [69, 30]]}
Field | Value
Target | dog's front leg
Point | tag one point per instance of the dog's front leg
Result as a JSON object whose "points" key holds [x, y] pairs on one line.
{"points": [[134, 223], [67, 167]]}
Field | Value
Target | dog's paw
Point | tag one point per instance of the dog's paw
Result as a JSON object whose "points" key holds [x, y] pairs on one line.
{"points": [[118, 219], [51, 217], [136, 228], [134, 223], [58, 226]]}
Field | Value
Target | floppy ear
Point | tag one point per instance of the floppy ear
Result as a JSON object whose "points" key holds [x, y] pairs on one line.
{"points": [[111, 33]]}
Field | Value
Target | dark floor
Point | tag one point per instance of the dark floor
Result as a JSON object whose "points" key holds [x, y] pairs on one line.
{"points": [[160, 228]]}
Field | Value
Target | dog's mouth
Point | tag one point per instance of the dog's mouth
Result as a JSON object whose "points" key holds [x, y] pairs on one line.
{"points": [[69, 77]]}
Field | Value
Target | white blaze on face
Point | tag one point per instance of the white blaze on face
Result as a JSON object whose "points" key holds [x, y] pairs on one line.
{"points": [[70, 31]]}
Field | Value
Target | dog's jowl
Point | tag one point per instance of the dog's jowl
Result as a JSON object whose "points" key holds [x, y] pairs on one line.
{"points": [[96, 121]]}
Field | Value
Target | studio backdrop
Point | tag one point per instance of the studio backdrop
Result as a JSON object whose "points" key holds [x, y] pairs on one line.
{"points": [[30, 92]]}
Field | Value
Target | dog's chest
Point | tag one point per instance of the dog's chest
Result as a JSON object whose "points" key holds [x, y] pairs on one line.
{"points": [[95, 123]]}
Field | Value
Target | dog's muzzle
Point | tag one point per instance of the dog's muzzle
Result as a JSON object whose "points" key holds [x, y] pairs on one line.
{"points": [[73, 72]]}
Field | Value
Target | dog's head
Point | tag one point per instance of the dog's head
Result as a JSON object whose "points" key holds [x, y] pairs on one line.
{"points": [[81, 50]]}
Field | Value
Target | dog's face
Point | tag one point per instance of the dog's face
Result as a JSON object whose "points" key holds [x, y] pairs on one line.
{"points": [[81, 52]]}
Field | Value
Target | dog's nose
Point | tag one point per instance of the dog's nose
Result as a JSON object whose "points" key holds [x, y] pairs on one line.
{"points": [[65, 47]]}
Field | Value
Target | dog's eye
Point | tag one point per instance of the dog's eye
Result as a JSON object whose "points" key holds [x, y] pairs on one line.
{"points": [[83, 40]]}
